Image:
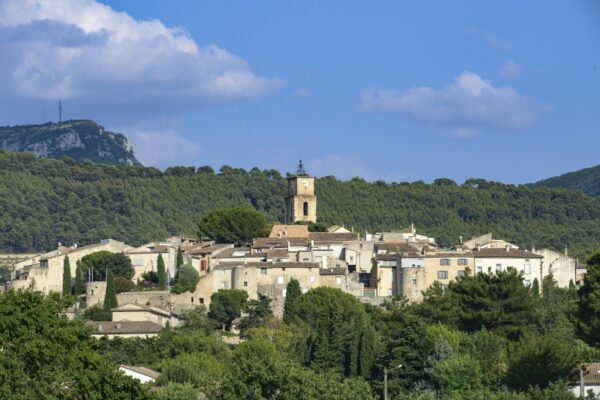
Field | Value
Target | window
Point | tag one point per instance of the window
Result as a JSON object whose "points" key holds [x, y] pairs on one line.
{"points": [[305, 259], [442, 274], [280, 280], [312, 278], [527, 282], [263, 271], [527, 268], [414, 282], [390, 292], [462, 261], [283, 269], [305, 208], [460, 272], [245, 284], [224, 285], [444, 286], [351, 258], [444, 261], [304, 289], [201, 300], [283, 293], [498, 267], [338, 280], [479, 269], [192, 299]]}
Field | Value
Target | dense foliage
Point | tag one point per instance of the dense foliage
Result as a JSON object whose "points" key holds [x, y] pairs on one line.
{"points": [[46, 356], [102, 262], [233, 225], [66, 285], [46, 201], [186, 279], [587, 180]]}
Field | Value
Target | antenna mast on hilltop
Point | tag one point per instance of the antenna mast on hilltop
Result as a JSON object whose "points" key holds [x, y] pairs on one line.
{"points": [[60, 111]]}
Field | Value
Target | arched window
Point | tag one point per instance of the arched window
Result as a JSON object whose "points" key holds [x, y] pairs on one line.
{"points": [[305, 208]]}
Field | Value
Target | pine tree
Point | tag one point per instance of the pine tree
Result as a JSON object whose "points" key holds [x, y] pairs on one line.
{"points": [[178, 263], [589, 302], [110, 297], [291, 294], [160, 271], [66, 288], [79, 288]]}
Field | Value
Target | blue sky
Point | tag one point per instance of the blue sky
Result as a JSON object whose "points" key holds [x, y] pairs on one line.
{"points": [[506, 91]]}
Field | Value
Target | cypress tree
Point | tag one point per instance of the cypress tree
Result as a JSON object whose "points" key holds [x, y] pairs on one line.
{"points": [[179, 258], [66, 287], [535, 287], [291, 294], [588, 324], [79, 288], [160, 271], [110, 297]]}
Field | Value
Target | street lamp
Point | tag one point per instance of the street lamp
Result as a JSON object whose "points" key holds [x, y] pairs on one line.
{"points": [[385, 374]]}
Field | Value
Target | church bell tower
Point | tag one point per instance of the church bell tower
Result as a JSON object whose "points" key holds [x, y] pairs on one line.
{"points": [[301, 202]]}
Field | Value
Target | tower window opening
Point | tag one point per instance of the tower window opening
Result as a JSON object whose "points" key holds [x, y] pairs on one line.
{"points": [[305, 208]]}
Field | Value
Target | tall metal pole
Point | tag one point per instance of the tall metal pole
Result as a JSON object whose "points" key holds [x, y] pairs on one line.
{"points": [[385, 373]]}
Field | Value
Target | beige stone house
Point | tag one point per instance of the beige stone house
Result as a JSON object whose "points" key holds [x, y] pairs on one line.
{"points": [[44, 273]]}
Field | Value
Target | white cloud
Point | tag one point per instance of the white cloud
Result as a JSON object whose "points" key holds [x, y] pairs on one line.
{"points": [[80, 49], [510, 68], [163, 148], [469, 103]]}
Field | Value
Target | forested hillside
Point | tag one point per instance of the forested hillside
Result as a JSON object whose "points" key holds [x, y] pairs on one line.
{"points": [[46, 201], [587, 180]]}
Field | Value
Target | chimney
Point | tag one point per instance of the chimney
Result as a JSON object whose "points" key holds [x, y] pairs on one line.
{"points": [[460, 239], [507, 248], [478, 247]]}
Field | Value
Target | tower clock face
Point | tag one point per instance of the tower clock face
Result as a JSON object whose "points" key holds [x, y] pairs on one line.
{"points": [[305, 183]]}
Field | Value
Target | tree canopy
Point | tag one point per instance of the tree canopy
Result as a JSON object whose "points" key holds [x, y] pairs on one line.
{"points": [[101, 261], [234, 225]]}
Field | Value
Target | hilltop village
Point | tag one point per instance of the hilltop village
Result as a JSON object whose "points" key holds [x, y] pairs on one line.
{"points": [[370, 266]]}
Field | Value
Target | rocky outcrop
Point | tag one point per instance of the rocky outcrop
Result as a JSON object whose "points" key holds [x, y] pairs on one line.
{"points": [[82, 140]]}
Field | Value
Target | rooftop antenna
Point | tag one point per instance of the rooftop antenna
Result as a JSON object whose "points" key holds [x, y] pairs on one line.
{"points": [[60, 111]]}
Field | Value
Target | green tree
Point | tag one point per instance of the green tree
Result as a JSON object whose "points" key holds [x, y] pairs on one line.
{"points": [[588, 315], [79, 286], [457, 376], [292, 292], [179, 391], [234, 225], [101, 261], [46, 356], [161, 272], [541, 360], [187, 279], [258, 312], [110, 297], [179, 259], [535, 287], [67, 288], [203, 371], [226, 305], [342, 338]]}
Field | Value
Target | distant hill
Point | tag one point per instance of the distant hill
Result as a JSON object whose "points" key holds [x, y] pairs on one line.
{"points": [[586, 180], [82, 140], [44, 201]]}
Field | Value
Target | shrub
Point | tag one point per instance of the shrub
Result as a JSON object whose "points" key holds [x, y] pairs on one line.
{"points": [[123, 284]]}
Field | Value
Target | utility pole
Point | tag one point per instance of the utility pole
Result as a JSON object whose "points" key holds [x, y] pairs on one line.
{"points": [[385, 379]]}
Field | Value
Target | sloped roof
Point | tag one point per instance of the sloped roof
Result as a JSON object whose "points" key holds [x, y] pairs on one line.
{"points": [[332, 271], [289, 230], [332, 237], [210, 249], [135, 307], [266, 243], [281, 264], [124, 327], [395, 247], [142, 370]]}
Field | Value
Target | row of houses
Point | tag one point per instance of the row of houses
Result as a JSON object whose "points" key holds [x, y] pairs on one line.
{"points": [[368, 266]]}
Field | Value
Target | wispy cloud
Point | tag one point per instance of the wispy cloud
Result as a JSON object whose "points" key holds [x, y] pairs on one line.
{"points": [[468, 104], [510, 68], [77, 49]]}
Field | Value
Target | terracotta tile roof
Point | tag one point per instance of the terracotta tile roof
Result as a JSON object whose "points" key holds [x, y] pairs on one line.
{"points": [[209, 249], [449, 254], [267, 243], [142, 370], [277, 253], [292, 231], [333, 237], [398, 247], [503, 253], [226, 253], [124, 327]]}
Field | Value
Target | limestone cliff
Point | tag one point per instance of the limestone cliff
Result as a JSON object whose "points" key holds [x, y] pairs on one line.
{"points": [[82, 140]]}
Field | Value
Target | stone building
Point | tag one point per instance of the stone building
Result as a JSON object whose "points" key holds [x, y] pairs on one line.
{"points": [[301, 202]]}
